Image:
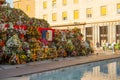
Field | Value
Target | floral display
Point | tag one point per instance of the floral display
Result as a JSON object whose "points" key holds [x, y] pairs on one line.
{"points": [[18, 17], [24, 39], [73, 43]]}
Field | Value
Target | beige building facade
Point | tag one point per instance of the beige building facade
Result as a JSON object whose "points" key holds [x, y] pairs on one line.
{"points": [[28, 6], [98, 20]]}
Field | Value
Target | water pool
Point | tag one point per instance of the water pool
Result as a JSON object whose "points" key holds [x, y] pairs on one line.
{"points": [[102, 70]]}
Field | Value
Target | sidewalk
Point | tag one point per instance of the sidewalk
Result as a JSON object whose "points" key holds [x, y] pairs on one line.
{"points": [[8, 71], [107, 52]]}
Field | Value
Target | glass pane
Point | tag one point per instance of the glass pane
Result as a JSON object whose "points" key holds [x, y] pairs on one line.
{"points": [[53, 3], [28, 8], [76, 14], [64, 15], [45, 17], [64, 2], [45, 4], [103, 10], [76, 1], [54, 16], [118, 6]]}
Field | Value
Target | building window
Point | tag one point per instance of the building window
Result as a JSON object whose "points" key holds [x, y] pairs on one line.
{"points": [[28, 8], [54, 17], [45, 16], [76, 1], [53, 3], [89, 12], [64, 15], [18, 5], [64, 2], [44, 4], [89, 33], [118, 8], [76, 14], [103, 10]]}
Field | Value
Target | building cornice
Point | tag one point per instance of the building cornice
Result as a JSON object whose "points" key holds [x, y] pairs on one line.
{"points": [[73, 24], [84, 23], [103, 22]]}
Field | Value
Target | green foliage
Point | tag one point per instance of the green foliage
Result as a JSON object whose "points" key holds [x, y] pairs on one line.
{"points": [[117, 46], [70, 47]]}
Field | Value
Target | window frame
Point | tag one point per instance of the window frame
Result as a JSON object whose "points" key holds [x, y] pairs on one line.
{"points": [[118, 8], [76, 14], [45, 16], [44, 4], [54, 3], [64, 15], [89, 12], [54, 16], [28, 8], [76, 1], [103, 10], [64, 2]]}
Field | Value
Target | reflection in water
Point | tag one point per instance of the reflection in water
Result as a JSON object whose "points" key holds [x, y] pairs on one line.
{"points": [[102, 70], [95, 74]]}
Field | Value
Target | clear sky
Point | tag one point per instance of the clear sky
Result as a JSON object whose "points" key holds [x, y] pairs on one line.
{"points": [[11, 2]]}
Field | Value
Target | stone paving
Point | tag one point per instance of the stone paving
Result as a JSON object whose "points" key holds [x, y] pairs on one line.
{"points": [[8, 71]]}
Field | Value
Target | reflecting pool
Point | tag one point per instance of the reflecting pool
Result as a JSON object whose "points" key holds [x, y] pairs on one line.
{"points": [[102, 70]]}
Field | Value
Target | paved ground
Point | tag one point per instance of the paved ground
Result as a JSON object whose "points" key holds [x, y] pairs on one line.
{"points": [[7, 71]]}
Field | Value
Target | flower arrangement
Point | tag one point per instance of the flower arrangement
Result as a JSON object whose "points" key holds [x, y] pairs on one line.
{"points": [[18, 48]]}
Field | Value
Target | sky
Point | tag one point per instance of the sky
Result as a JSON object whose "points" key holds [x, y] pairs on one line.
{"points": [[11, 2]]}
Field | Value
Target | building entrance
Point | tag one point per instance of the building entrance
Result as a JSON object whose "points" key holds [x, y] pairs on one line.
{"points": [[103, 34], [118, 33], [89, 33]]}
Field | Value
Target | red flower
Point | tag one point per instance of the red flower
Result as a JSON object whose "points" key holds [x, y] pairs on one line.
{"points": [[7, 25]]}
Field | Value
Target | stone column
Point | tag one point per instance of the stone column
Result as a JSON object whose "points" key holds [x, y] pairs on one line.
{"points": [[83, 31], [95, 34], [98, 33], [109, 32], [113, 32]]}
